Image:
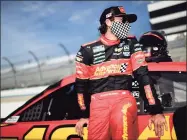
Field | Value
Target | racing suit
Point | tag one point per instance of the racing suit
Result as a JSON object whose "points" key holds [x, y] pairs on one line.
{"points": [[104, 70]]}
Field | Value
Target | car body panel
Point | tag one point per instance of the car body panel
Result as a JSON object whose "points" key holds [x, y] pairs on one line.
{"points": [[60, 130], [65, 129]]}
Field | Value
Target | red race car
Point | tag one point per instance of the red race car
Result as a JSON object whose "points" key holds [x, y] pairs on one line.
{"points": [[52, 114]]}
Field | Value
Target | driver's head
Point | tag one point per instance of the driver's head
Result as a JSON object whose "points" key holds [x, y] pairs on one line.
{"points": [[153, 44], [116, 21]]}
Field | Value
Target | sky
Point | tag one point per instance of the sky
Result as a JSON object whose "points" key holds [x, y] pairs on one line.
{"points": [[39, 26]]}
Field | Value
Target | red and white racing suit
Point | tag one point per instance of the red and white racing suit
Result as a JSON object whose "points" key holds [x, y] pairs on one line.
{"points": [[104, 71]]}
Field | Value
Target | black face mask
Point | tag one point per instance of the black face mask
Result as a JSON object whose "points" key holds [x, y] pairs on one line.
{"points": [[120, 30]]}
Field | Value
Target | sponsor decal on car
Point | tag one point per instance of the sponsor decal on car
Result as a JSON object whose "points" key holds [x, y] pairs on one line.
{"points": [[67, 131], [12, 119]]}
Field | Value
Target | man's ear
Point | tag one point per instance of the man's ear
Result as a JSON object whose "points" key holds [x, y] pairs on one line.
{"points": [[108, 22]]}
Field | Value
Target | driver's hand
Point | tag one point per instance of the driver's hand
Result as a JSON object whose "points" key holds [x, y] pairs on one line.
{"points": [[160, 123], [79, 126]]}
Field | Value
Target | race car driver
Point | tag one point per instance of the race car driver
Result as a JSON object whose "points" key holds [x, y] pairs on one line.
{"points": [[104, 70], [154, 45]]}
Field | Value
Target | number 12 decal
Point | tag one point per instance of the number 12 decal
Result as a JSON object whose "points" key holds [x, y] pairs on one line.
{"points": [[36, 133], [67, 132], [63, 132]]}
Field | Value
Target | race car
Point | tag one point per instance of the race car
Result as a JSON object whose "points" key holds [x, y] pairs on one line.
{"points": [[53, 113]]}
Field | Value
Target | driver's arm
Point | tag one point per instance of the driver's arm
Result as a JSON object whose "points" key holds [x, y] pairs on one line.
{"points": [[82, 79]]}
